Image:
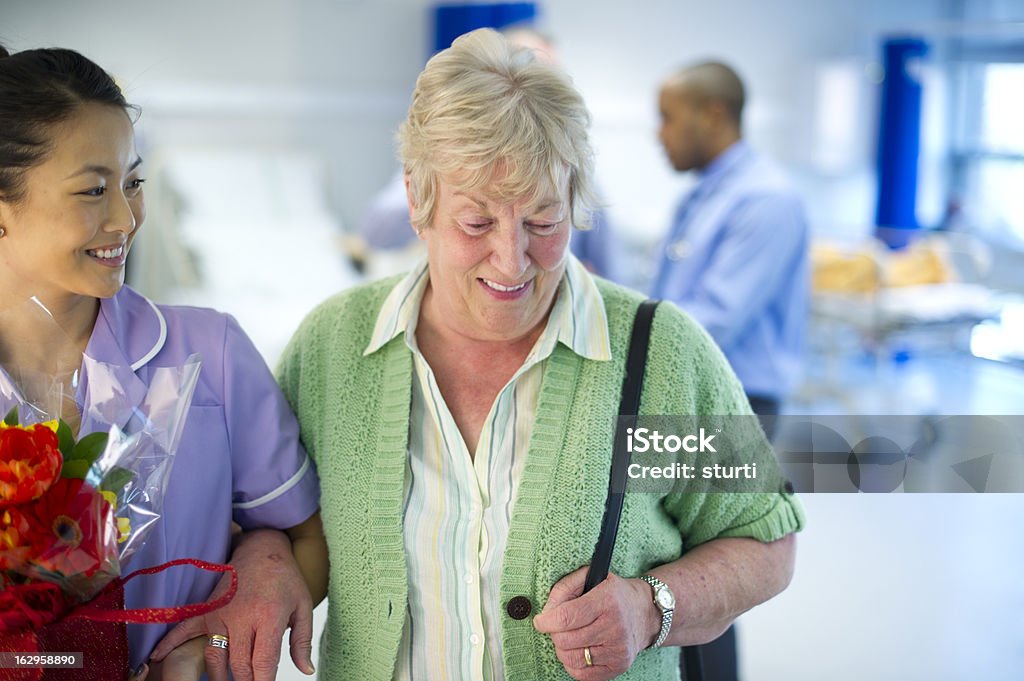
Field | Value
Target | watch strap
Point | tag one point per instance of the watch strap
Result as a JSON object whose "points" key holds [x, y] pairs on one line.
{"points": [[666, 613]]}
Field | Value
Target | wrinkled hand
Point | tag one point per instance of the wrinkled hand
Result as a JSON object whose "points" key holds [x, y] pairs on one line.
{"points": [[614, 619], [271, 597]]}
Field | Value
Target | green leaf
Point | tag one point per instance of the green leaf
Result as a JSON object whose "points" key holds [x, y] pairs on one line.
{"points": [[65, 439], [12, 416], [89, 448], [77, 468], [116, 479]]}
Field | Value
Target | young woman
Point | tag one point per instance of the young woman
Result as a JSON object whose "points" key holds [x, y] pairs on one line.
{"points": [[71, 204]]}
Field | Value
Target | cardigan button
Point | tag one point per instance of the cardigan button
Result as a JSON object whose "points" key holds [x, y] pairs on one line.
{"points": [[519, 607]]}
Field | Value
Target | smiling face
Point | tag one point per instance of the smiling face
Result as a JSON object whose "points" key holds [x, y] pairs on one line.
{"points": [[495, 265], [69, 236]]}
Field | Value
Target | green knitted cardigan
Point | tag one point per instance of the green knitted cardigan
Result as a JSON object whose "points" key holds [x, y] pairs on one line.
{"points": [[354, 417]]}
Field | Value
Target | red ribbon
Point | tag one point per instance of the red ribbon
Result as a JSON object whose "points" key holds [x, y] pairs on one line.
{"points": [[159, 615]]}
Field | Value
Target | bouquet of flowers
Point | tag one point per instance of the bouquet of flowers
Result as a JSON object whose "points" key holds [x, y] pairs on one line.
{"points": [[56, 528], [73, 509]]}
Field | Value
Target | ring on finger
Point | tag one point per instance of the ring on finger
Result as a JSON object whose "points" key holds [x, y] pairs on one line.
{"points": [[587, 658], [218, 641]]}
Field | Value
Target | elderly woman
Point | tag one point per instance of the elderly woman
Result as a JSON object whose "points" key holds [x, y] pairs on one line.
{"points": [[461, 418]]}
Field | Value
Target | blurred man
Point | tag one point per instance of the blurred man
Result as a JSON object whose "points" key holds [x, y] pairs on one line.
{"points": [[735, 256], [736, 253]]}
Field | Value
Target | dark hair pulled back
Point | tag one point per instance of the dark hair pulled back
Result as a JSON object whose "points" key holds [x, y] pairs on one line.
{"points": [[39, 89]]}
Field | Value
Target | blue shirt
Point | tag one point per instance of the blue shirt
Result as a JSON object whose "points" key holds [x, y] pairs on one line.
{"points": [[735, 258]]}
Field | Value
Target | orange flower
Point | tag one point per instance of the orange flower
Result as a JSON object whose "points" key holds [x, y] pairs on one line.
{"points": [[70, 530], [29, 462], [18, 540]]}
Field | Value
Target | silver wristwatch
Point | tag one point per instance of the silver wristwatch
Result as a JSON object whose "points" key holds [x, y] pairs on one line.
{"points": [[665, 601]]}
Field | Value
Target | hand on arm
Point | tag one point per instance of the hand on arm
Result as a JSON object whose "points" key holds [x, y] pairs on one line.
{"points": [[273, 593], [713, 584]]}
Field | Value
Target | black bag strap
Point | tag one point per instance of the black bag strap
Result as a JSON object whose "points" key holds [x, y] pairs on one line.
{"points": [[629, 407]]}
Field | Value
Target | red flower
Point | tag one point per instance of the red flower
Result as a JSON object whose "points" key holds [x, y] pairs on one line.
{"points": [[34, 605], [29, 463], [70, 530]]}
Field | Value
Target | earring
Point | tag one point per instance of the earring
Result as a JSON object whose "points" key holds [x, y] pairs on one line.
{"points": [[2, 232]]}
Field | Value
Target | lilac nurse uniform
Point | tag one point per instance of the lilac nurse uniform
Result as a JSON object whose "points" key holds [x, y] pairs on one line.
{"points": [[239, 457]]}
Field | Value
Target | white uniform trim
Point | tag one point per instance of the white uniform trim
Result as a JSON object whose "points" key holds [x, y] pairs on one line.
{"points": [[161, 339], [270, 496]]}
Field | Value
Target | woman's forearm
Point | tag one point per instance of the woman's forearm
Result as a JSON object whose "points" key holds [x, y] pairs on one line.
{"points": [[310, 550], [716, 582]]}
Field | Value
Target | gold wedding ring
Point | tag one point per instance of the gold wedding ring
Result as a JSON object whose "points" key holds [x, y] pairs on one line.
{"points": [[218, 641], [587, 658]]}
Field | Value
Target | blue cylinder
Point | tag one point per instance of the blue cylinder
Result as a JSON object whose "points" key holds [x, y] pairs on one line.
{"points": [[453, 19], [899, 141]]}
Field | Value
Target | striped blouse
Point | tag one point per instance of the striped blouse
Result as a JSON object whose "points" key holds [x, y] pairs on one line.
{"points": [[457, 507]]}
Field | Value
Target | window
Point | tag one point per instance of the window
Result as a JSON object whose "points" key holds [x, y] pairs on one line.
{"points": [[989, 156]]}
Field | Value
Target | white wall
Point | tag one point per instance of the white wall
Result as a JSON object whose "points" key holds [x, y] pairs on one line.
{"points": [[320, 74], [336, 76], [896, 587]]}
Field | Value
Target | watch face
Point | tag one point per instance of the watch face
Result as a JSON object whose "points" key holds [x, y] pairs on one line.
{"points": [[666, 599]]}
